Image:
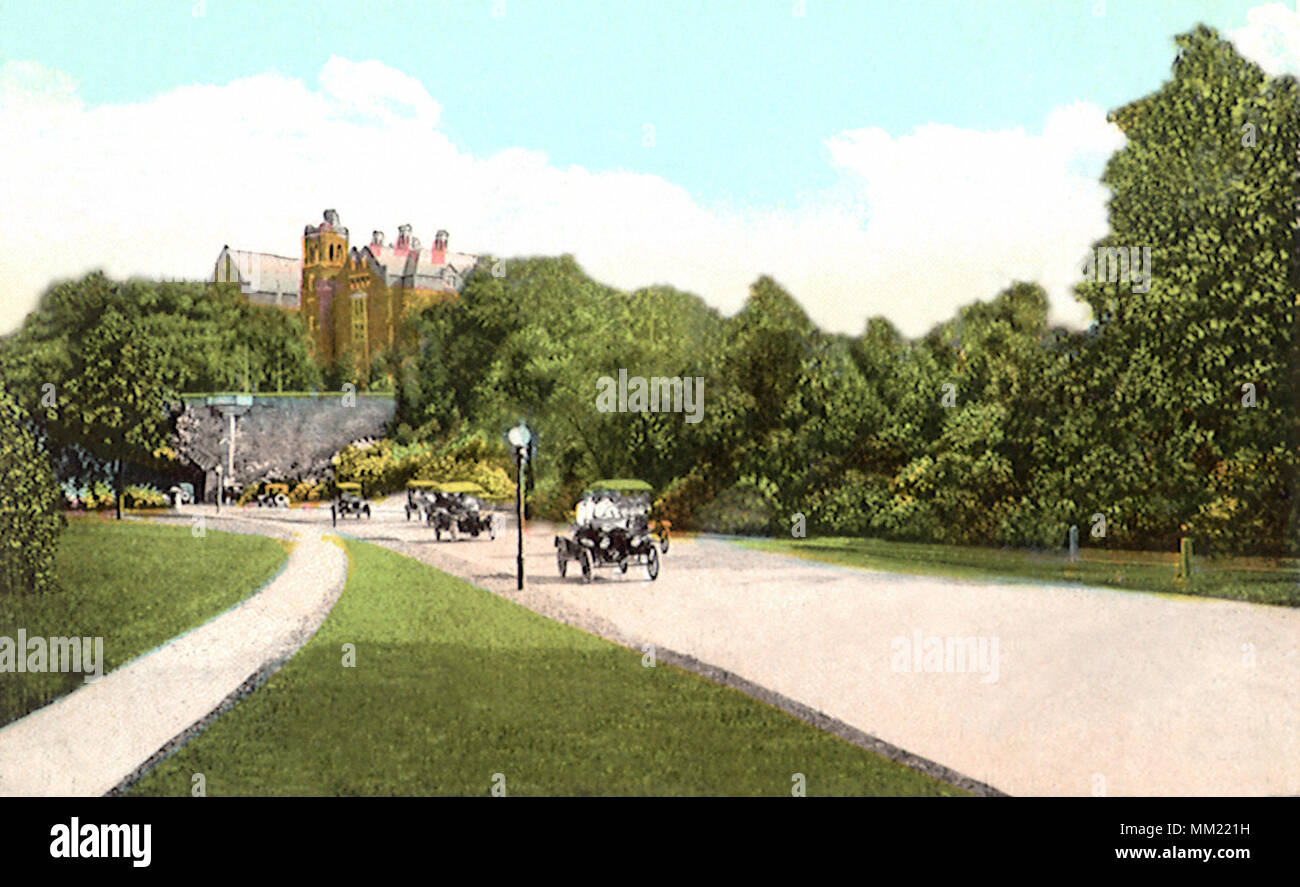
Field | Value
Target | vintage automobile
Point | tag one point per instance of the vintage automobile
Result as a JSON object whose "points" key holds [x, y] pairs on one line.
{"points": [[458, 509], [181, 494], [420, 498], [614, 532], [273, 496], [348, 500]]}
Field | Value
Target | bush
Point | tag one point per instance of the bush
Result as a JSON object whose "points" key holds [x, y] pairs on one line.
{"points": [[683, 500], [307, 491], [29, 500], [853, 506], [747, 508], [1035, 523], [143, 496], [385, 467]]}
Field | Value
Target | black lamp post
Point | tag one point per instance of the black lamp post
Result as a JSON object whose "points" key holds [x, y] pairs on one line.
{"points": [[519, 437]]}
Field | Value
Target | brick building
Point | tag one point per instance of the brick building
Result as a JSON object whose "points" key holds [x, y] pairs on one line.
{"points": [[351, 299]]}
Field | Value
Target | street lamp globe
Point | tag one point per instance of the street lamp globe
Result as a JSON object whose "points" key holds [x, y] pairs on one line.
{"points": [[519, 436]]}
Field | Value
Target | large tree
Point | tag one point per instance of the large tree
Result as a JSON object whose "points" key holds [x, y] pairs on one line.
{"points": [[117, 404], [1207, 182]]}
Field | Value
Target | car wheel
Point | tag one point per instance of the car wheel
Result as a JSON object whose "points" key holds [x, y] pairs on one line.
{"points": [[584, 558], [561, 561], [367, 513], [652, 563]]}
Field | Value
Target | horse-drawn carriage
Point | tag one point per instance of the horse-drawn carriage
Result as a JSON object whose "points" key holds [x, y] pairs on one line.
{"points": [[612, 529], [348, 500]]}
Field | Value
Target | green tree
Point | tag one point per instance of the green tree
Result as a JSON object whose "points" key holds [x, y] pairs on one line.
{"points": [[29, 519], [1208, 183], [118, 402]]}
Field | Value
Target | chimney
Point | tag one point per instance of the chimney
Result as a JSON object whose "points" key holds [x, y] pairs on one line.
{"points": [[376, 243], [403, 238], [440, 247]]}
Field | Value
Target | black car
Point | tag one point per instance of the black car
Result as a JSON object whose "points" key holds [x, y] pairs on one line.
{"points": [[612, 529]]}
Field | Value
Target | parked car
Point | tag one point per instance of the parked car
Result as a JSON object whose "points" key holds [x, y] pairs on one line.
{"points": [[181, 494], [420, 499], [612, 529], [348, 500], [458, 509], [273, 496]]}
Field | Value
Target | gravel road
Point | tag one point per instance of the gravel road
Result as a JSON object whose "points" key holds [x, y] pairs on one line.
{"points": [[1080, 691]]}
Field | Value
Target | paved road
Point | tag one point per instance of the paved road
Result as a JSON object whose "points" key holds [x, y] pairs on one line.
{"points": [[89, 741], [1094, 691]]}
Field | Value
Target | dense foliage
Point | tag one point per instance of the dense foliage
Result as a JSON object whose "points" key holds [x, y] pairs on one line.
{"points": [[99, 365], [1174, 414], [994, 428], [29, 520]]}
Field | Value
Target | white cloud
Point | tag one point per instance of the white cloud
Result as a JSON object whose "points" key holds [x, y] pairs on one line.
{"points": [[1271, 38], [919, 224], [955, 214]]}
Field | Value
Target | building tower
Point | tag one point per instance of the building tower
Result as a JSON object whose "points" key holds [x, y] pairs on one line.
{"points": [[324, 253]]}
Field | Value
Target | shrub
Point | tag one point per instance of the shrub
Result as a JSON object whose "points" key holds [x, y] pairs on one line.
{"points": [[29, 499], [1036, 523], [308, 491], [683, 500], [143, 496], [852, 506], [748, 507], [385, 467]]}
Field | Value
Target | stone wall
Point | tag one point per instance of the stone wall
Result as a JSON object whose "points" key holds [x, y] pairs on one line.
{"points": [[284, 438]]}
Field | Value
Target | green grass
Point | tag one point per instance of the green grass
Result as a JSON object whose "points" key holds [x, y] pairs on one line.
{"points": [[453, 684], [135, 585], [1258, 580]]}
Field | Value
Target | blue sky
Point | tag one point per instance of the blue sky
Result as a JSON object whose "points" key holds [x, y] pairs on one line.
{"points": [[733, 107]]}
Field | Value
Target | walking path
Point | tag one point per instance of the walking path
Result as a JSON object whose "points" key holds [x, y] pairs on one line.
{"points": [[90, 741]]}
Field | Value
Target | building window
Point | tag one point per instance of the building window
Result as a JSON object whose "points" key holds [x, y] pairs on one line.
{"points": [[359, 320]]}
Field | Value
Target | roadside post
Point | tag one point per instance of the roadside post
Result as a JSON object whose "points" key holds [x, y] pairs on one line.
{"points": [[1185, 559], [519, 437]]}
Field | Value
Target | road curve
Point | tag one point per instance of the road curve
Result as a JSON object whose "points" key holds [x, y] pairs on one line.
{"points": [[1095, 692]]}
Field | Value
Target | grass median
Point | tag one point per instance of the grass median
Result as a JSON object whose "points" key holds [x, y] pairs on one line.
{"points": [[453, 685], [1257, 580], [136, 585]]}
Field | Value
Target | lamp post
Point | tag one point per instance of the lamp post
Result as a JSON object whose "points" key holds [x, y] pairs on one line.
{"points": [[519, 437], [231, 406]]}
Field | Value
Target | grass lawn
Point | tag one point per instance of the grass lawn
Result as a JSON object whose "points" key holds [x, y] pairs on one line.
{"points": [[135, 585], [1258, 580], [453, 685]]}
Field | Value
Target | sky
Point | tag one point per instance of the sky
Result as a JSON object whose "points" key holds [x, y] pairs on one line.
{"points": [[876, 158]]}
